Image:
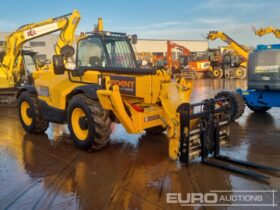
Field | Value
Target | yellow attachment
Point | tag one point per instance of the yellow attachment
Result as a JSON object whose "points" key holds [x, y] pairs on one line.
{"points": [[80, 133], [172, 95], [23, 110]]}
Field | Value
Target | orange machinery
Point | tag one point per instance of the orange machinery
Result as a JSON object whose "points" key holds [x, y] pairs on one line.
{"points": [[189, 60]]}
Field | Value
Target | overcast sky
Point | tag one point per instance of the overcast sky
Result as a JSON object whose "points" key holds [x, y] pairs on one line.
{"points": [[162, 19]]}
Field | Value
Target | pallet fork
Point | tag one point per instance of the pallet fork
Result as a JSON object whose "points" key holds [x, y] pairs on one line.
{"points": [[210, 139]]}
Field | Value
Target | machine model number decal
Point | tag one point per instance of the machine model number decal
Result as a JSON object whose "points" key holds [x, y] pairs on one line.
{"points": [[154, 117], [43, 91], [126, 84], [40, 30]]}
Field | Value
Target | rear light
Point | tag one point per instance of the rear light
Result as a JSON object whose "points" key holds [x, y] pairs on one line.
{"points": [[136, 107]]}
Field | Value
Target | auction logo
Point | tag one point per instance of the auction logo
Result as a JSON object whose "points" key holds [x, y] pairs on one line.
{"points": [[226, 198]]}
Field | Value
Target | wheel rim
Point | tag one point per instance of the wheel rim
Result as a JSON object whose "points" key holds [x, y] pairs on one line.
{"points": [[80, 133], [216, 73], [24, 107], [239, 73]]}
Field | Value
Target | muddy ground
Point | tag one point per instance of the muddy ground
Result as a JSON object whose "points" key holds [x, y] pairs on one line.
{"points": [[134, 172]]}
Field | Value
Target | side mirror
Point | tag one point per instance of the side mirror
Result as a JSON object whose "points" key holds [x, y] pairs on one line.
{"points": [[58, 64]]}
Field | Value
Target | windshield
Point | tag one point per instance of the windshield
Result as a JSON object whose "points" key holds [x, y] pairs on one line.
{"points": [[267, 61], [115, 52]]}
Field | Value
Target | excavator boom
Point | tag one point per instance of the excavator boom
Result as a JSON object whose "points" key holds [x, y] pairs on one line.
{"points": [[213, 35], [266, 30], [170, 47]]}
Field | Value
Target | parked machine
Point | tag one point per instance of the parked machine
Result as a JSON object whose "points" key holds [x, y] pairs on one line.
{"points": [[263, 79], [233, 66], [192, 64], [14, 71], [106, 84]]}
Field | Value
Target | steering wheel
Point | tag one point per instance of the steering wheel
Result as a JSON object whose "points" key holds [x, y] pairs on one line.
{"points": [[95, 61]]}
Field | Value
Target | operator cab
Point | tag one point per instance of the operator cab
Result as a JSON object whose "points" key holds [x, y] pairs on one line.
{"points": [[28, 64], [104, 52], [108, 51], [231, 61]]}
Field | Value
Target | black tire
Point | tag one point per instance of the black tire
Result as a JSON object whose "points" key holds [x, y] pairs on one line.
{"points": [[240, 73], [259, 109], [97, 123], [38, 123], [236, 104], [155, 131]]}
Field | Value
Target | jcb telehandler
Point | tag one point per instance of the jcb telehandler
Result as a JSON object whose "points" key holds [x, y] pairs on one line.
{"points": [[106, 84]]}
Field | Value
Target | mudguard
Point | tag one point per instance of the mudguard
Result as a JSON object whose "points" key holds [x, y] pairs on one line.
{"points": [[88, 90], [29, 88]]}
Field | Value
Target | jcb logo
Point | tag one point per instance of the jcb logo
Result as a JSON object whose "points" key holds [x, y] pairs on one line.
{"points": [[31, 33]]}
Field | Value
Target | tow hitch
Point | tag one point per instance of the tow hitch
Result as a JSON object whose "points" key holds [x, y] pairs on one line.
{"points": [[213, 121]]}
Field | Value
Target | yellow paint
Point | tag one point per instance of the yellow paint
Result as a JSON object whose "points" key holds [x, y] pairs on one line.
{"points": [[23, 110], [75, 117]]}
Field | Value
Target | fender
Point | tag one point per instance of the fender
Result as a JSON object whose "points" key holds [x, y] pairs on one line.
{"points": [[29, 88], [88, 90]]}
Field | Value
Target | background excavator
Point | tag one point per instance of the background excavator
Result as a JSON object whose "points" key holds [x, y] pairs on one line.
{"points": [[233, 66], [17, 64], [190, 64]]}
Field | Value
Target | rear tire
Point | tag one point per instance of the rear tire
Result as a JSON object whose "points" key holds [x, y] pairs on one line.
{"points": [[259, 109], [89, 124], [236, 104], [30, 114]]}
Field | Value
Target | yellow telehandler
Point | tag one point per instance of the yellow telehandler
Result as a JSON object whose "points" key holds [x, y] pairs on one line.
{"points": [[104, 83], [232, 66], [17, 65]]}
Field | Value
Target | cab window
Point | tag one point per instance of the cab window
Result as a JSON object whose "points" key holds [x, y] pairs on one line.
{"points": [[91, 53]]}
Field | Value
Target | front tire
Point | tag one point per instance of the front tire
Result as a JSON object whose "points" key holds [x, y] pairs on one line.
{"points": [[89, 124], [236, 104], [30, 114]]}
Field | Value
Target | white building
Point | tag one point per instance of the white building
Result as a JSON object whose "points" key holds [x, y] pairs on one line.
{"points": [[45, 45]]}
